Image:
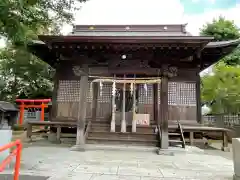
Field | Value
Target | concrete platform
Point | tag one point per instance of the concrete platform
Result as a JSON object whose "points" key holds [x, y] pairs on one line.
{"points": [[22, 177], [60, 163]]}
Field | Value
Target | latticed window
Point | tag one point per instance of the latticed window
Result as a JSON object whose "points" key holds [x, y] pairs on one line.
{"points": [[68, 91], [181, 94], [145, 94]]}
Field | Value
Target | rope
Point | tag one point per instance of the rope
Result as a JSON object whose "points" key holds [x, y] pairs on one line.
{"points": [[136, 81], [117, 78]]}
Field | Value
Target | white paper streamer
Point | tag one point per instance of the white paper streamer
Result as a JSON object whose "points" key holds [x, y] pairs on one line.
{"points": [[101, 87], [131, 87], [145, 88], [114, 88]]}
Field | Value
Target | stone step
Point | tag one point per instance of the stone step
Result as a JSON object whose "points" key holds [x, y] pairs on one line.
{"points": [[127, 135], [106, 128], [100, 140]]}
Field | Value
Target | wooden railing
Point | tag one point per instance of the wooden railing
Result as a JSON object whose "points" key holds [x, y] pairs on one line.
{"points": [[16, 152], [221, 120]]}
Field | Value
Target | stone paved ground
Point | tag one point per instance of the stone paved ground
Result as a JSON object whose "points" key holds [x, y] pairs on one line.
{"points": [[62, 164]]}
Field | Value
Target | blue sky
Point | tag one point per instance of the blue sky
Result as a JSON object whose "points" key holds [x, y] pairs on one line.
{"points": [[201, 6]]}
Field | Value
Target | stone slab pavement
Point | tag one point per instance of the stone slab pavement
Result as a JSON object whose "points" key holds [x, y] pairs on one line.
{"points": [[59, 163]]}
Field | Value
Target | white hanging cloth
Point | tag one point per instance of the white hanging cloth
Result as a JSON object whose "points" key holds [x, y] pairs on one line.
{"points": [[101, 87]]}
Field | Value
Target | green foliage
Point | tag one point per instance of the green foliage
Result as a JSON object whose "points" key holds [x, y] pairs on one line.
{"points": [[17, 127], [221, 29], [222, 89], [23, 74], [21, 20], [233, 58]]}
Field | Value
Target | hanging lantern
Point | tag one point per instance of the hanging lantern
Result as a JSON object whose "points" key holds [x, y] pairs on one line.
{"points": [[101, 87], [145, 88]]}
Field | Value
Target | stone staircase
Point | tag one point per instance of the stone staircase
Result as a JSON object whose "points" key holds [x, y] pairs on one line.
{"points": [[99, 133]]}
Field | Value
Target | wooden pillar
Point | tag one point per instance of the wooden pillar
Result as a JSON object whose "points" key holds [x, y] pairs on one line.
{"points": [[95, 88], [155, 103], [198, 100], [80, 141], [164, 112], [123, 122], [54, 95]]}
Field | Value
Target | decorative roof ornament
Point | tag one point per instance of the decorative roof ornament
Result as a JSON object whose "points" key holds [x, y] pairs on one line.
{"points": [[170, 71], [77, 70], [127, 28]]}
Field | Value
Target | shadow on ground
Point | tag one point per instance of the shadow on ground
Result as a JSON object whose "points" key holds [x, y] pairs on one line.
{"points": [[22, 177]]}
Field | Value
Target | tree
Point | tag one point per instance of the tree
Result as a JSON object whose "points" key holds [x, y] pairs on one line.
{"points": [[221, 29], [23, 74], [233, 59], [21, 20], [221, 90]]}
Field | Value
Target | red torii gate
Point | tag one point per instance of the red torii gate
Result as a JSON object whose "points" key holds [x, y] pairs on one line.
{"points": [[43, 104]]}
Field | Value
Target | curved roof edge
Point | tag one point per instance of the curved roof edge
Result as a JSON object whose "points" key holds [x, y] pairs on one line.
{"points": [[223, 43]]}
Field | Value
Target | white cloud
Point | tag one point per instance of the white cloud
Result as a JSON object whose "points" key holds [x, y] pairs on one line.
{"points": [[147, 12], [130, 12], [196, 21]]}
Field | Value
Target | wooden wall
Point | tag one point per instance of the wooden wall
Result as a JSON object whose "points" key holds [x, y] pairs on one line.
{"points": [[181, 99]]}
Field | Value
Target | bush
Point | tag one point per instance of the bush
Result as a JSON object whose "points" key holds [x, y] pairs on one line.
{"points": [[17, 127]]}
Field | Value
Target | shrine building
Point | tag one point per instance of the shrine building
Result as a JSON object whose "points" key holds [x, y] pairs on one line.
{"points": [[130, 84]]}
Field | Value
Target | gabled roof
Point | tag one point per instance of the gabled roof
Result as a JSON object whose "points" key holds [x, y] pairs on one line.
{"points": [[131, 30], [7, 106], [155, 35]]}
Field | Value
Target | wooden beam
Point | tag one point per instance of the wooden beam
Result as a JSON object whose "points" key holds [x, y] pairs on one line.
{"points": [[198, 100], [80, 141], [54, 95], [95, 89], [164, 112], [155, 103]]}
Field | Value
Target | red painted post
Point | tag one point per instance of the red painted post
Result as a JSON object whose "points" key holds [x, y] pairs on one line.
{"points": [[42, 111], [21, 117], [18, 160], [17, 153]]}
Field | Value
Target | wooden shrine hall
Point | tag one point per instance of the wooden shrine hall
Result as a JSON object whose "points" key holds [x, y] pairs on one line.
{"points": [[134, 84]]}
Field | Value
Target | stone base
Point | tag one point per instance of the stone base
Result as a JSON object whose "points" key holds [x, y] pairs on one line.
{"points": [[80, 148], [171, 151], [226, 149], [235, 177], [52, 137]]}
